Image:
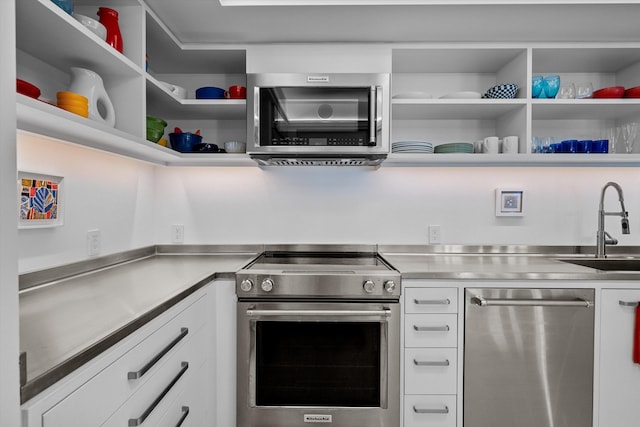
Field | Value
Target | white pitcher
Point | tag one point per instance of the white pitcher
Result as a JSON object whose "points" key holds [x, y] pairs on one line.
{"points": [[89, 84]]}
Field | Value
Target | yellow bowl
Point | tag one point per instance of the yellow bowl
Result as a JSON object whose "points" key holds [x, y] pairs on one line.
{"points": [[71, 96], [79, 111], [76, 104]]}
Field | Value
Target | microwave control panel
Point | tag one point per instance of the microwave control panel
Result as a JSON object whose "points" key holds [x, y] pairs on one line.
{"points": [[346, 141]]}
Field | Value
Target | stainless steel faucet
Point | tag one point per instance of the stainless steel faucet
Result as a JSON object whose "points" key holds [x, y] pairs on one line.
{"points": [[603, 238]]}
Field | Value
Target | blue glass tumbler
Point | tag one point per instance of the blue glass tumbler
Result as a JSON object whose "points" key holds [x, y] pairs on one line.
{"points": [[552, 85]]}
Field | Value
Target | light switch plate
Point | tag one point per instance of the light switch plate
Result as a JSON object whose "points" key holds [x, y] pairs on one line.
{"points": [[509, 202]]}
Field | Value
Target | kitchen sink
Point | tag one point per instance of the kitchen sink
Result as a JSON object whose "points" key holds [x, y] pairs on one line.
{"points": [[606, 264]]}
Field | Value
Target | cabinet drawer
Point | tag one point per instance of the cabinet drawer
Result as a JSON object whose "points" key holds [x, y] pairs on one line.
{"points": [[153, 399], [428, 411], [189, 408], [431, 300], [97, 399], [430, 370], [431, 330]]}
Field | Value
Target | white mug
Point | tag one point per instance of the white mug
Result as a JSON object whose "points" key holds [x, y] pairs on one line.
{"points": [[491, 145], [510, 145]]}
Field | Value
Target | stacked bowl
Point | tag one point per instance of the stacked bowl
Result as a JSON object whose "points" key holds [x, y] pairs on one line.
{"points": [[74, 103], [155, 128], [503, 91]]}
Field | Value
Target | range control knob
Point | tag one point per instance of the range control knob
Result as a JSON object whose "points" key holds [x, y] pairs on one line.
{"points": [[368, 286], [246, 285], [389, 286], [267, 285]]}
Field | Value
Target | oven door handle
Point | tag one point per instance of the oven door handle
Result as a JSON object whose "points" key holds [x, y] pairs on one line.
{"points": [[345, 313]]}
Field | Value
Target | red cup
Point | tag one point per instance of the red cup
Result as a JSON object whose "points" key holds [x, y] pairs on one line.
{"points": [[237, 92]]}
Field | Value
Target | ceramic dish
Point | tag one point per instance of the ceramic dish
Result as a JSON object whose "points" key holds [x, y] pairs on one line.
{"points": [[210, 92], [503, 91], [92, 25], [462, 95], [609, 92], [25, 88], [632, 92]]}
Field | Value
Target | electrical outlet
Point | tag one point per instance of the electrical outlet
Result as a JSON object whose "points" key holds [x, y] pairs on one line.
{"points": [[177, 233], [93, 242], [434, 234]]}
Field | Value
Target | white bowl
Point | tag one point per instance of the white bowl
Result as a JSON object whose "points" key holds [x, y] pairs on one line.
{"points": [[92, 24], [235, 147]]}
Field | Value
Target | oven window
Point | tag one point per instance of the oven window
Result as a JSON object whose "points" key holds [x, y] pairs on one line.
{"points": [[314, 116], [318, 364]]}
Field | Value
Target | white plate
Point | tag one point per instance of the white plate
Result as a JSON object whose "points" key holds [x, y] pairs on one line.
{"points": [[462, 95], [413, 95]]}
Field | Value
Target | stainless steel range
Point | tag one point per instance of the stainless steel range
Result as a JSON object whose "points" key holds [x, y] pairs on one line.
{"points": [[318, 340]]}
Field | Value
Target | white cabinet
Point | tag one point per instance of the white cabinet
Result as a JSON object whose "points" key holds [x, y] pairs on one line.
{"points": [[144, 380], [430, 356], [619, 376]]}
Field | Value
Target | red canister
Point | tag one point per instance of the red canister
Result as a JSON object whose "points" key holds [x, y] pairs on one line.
{"points": [[109, 18]]}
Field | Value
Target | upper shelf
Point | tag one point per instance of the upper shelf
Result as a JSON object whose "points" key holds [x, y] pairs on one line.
{"points": [[72, 45], [50, 121], [162, 103]]}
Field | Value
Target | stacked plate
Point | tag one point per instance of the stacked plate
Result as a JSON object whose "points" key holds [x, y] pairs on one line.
{"points": [[411, 147], [454, 147]]}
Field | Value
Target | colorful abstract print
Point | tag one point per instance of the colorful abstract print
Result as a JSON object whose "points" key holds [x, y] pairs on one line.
{"points": [[38, 199]]}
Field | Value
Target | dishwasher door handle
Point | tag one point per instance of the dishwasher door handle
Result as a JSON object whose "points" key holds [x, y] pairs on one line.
{"points": [[485, 302]]}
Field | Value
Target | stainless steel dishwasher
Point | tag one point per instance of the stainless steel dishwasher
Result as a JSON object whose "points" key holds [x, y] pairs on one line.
{"points": [[528, 357]]}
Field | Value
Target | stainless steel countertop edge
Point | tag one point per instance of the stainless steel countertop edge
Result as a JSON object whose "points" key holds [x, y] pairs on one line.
{"points": [[36, 385], [53, 274]]}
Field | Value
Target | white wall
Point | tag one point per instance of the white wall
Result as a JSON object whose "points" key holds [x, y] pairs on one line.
{"points": [[101, 191], [134, 204], [391, 205], [9, 348]]}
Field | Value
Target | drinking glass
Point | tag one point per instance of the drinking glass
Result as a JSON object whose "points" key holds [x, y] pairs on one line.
{"points": [[567, 91], [629, 133], [552, 85], [584, 90]]}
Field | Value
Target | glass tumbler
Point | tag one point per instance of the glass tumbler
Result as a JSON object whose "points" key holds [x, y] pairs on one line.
{"points": [[552, 85], [567, 91], [584, 90]]}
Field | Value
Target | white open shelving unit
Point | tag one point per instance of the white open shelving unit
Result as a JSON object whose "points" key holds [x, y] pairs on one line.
{"points": [[45, 56]]}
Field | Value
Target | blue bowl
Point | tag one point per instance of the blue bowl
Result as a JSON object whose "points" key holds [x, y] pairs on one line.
{"points": [[210, 92], [184, 142]]}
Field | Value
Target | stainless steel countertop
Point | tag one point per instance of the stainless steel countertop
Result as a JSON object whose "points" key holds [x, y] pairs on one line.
{"points": [[65, 322], [71, 313]]}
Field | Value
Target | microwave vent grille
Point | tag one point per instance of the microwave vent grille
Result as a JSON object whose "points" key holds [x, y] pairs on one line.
{"points": [[331, 161]]}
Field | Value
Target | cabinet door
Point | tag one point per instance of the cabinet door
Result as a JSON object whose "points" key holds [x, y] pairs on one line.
{"points": [[619, 376]]}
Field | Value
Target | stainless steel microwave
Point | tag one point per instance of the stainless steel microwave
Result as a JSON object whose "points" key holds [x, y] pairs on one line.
{"points": [[318, 119]]}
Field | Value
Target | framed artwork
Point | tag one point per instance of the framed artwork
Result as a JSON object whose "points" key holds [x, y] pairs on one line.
{"points": [[40, 200]]}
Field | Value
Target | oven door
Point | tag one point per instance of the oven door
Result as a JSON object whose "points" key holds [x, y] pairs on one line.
{"points": [[334, 363]]}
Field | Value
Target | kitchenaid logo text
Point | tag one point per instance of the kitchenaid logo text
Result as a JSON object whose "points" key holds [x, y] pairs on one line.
{"points": [[317, 79], [317, 418]]}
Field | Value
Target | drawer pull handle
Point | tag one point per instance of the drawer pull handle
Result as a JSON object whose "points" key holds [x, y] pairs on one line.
{"points": [[137, 421], [138, 374], [444, 410], [431, 362], [628, 303], [444, 328], [185, 413], [446, 301]]}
